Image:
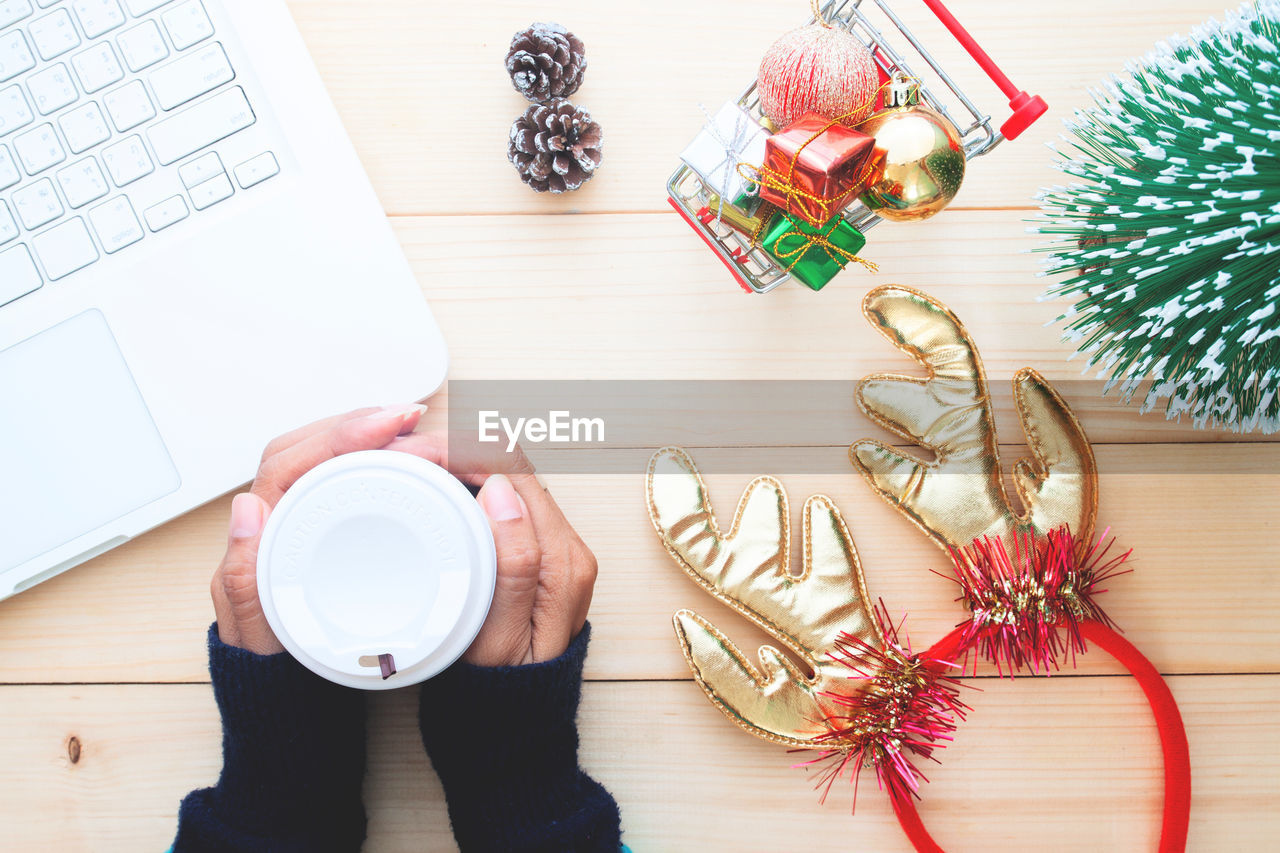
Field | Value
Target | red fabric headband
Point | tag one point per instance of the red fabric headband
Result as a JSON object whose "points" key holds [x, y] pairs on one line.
{"points": [[1028, 610], [1173, 738]]}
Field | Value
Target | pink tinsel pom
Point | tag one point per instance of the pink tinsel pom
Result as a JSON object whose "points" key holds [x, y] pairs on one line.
{"points": [[1027, 606], [906, 706]]}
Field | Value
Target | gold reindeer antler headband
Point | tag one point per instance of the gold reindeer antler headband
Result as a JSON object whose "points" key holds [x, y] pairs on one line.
{"points": [[1028, 577]]}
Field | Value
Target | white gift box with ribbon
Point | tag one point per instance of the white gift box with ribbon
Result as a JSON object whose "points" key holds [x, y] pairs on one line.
{"points": [[729, 138]]}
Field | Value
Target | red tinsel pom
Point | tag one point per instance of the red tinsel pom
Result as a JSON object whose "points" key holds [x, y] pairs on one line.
{"points": [[906, 707], [1027, 606]]}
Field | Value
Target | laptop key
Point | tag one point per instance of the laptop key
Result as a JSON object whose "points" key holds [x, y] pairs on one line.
{"points": [[129, 106], [211, 192], [52, 89], [54, 34], [195, 173], [200, 170], [253, 172], [37, 204], [39, 149], [84, 127], [116, 224], [191, 76], [97, 67], [127, 161], [9, 174], [168, 212], [98, 16], [202, 125], [15, 55], [187, 24], [12, 11], [83, 182], [8, 227], [65, 248], [14, 112], [18, 274], [142, 46]]}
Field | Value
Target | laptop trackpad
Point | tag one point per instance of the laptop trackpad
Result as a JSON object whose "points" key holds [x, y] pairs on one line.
{"points": [[78, 448]]}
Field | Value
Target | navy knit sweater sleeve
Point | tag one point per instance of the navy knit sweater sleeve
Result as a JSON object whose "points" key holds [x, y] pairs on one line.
{"points": [[293, 759], [504, 743]]}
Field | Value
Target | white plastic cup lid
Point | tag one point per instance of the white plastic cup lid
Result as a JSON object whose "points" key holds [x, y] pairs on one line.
{"points": [[376, 569]]}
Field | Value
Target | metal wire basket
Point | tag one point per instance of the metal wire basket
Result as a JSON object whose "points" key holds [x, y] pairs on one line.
{"points": [[896, 50]]}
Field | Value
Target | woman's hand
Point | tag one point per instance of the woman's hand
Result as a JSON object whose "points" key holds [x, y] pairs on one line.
{"points": [[546, 573], [241, 621]]}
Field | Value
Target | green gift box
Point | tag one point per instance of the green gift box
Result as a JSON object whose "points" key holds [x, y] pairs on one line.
{"points": [[814, 255]]}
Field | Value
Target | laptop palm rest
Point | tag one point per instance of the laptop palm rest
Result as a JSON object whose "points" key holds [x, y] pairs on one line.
{"points": [[78, 448]]}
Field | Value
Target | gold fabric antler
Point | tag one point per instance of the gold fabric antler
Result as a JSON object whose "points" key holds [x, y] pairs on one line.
{"points": [[747, 568], [960, 497]]}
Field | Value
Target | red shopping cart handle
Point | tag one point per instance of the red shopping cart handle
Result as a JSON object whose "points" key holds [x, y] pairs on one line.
{"points": [[1026, 108]]}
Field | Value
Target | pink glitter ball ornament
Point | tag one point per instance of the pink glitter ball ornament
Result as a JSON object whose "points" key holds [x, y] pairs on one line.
{"points": [[818, 69]]}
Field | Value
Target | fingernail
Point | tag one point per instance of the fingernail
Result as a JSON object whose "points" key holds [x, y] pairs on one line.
{"points": [[246, 516], [405, 417], [403, 412], [499, 499]]}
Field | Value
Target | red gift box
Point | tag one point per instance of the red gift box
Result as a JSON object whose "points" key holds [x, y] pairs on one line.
{"points": [[814, 168]]}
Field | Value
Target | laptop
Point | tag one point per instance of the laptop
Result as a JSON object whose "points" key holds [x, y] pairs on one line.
{"points": [[192, 261]]}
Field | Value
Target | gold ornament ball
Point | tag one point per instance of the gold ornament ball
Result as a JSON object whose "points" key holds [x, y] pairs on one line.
{"points": [[817, 69], [924, 166]]}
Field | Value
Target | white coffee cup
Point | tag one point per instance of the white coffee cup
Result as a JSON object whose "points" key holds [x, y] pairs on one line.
{"points": [[376, 569]]}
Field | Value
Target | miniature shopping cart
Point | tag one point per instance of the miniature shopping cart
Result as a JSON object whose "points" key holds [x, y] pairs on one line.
{"points": [[897, 51]]}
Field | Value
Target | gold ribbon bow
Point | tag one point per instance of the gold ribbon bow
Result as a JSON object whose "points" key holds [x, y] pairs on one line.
{"points": [[784, 182], [809, 241]]}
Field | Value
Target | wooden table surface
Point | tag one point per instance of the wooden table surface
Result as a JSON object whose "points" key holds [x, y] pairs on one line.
{"points": [[608, 283]]}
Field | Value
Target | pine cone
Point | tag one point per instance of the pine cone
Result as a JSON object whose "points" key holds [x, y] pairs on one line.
{"points": [[546, 62], [555, 147]]}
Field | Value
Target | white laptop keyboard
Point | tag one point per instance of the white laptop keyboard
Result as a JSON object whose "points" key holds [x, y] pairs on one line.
{"points": [[107, 108]]}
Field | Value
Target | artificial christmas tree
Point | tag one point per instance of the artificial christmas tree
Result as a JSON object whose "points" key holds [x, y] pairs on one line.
{"points": [[1166, 238]]}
